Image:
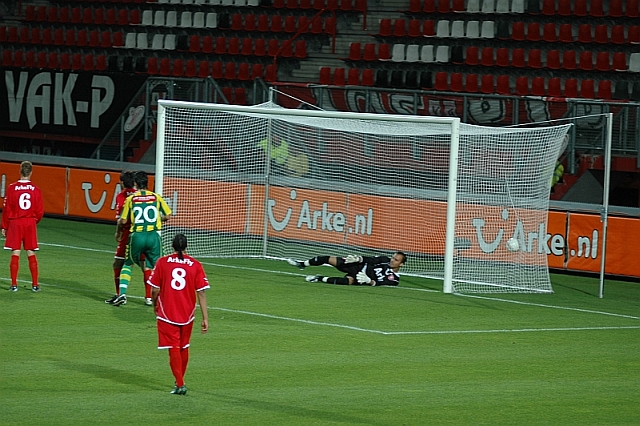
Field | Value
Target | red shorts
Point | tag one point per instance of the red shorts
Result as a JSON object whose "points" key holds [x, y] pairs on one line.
{"points": [[121, 249], [174, 336], [22, 232]]}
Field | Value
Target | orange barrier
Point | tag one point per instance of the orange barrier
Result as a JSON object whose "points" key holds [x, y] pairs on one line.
{"points": [[573, 241]]}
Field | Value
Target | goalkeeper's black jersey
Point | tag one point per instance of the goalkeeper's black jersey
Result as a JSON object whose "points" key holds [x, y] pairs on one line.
{"points": [[378, 269]]}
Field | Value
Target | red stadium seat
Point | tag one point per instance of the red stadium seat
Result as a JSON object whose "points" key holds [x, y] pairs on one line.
{"points": [[194, 43], [441, 83], [250, 22], [399, 28], [522, 86], [503, 86], [569, 61], [553, 59], [534, 59], [549, 32], [244, 71], [178, 68], [487, 57], [247, 46], [615, 8], [70, 38], [587, 89], [415, 6], [584, 33], [619, 61], [221, 45], [89, 62], [257, 71], [152, 66], [77, 61], [502, 57], [165, 67], [602, 61], [105, 39], [586, 60], [207, 45], [596, 9], [634, 34], [564, 8], [217, 70], [548, 7], [190, 68], [263, 23], [537, 86], [566, 33], [369, 52], [290, 24], [52, 15], [385, 27], [260, 47], [458, 6], [632, 10], [471, 83], [353, 77], [101, 62], [230, 71], [53, 61], [472, 54], [233, 47], [444, 6], [240, 96], [301, 49], [355, 51], [276, 24], [203, 69], [367, 77], [517, 58], [65, 61], [487, 84], [533, 31], [34, 38], [456, 82], [571, 88], [517, 31], [429, 28], [601, 34], [30, 59], [580, 8], [429, 6], [98, 16], [325, 76], [272, 47], [339, 78], [604, 89], [617, 34], [554, 85], [24, 35]]}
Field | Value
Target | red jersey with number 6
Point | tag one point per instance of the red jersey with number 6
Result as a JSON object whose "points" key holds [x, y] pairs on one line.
{"points": [[23, 200], [178, 281]]}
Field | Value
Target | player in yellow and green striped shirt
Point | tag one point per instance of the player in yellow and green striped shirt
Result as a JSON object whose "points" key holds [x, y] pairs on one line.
{"points": [[144, 211]]}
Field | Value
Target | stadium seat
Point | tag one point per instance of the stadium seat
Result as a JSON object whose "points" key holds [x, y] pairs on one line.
{"points": [[369, 52], [186, 20], [549, 32], [587, 88], [517, 58], [548, 7], [134, 17], [18, 58], [257, 71], [70, 38], [517, 6], [617, 34], [165, 67], [300, 49], [240, 96], [634, 62], [601, 34], [584, 33], [533, 31], [426, 54], [455, 84], [569, 61], [77, 61], [384, 52], [442, 54], [634, 34], [471, 83], [203, 69], [586, 60], [217, 72], [472, 29], [325, 76], [444, 6], [368, 77], [457, 54], [429, 28], [458, 6], [442, 29], [244, 71], [247, 46], [273, 46], [487, 84], [488, 6], [65, 61], [631, 10], [53, 14], [58, 37], [123, 17], [413, 53], [211, 20], [385, 27], [353, 77], [276, 24], [502, 57], [621, 90], [596, 8], [566, 33], [399, 28], [554, 87], [198, 20], [471, 56], [233, 46], [522, 86], [441, 81], [158, 18], [457, 29], [503, 6], [230, 71], [487, 57], [570, 88], [534, 59], [415, 28], [355, 51], [397, 53], [339, 78], [170, 42], [221, 45], [178, 68], [473, 6], [604, 89], [152, 66], [537, 86], [603, 61], [236, 22], [30, 59], [517, 31], [52, 60], [34, 37], [503, 85], [564, 8], [619, 61], [260, 48], [89, 62], [87, 18], [553, 59]]}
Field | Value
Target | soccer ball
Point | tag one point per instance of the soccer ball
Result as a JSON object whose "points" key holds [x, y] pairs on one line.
{"points": [[512, 244]]}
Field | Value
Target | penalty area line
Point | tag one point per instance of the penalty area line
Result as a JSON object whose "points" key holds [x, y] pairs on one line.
{"points": [[435, 332]]}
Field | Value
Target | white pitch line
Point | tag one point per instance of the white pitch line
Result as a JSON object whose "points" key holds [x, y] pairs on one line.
{"points": [[394, 288]]}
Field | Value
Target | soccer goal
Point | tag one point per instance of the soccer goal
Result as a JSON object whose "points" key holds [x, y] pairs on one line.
{"points": [[269, 182]]}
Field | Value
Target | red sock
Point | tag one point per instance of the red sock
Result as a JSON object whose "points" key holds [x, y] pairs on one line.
{"points": [[33, 267], [116, 279], [175, 362], [184, 353], [14, 265], [147, 287]]}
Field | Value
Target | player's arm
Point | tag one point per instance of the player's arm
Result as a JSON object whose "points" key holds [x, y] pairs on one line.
{"points": [[202, 301], [165, 210]]}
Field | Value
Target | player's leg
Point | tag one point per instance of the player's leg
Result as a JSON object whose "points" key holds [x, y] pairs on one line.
{"points": [[33, 268], [132, 257], [31, 245], [314, 261], [169, 338], [13, 242], [346, 280], [151, 254], [118, 263]]}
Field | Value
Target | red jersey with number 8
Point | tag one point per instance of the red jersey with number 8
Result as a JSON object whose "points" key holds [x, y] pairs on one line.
{"points": [[178, 281]]}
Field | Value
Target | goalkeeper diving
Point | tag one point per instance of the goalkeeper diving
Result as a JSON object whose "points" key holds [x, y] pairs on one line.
{"points": [[359, 270]]}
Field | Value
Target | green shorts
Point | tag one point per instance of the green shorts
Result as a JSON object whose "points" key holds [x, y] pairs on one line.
{"points": [[147, 243]]}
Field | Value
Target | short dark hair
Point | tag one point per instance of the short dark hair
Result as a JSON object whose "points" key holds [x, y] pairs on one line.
{"points": [[141, 179], [179, 244], [126, 177], [404, 256]]}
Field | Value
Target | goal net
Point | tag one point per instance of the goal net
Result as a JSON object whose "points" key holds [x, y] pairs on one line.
{"points": [[268, 182]]}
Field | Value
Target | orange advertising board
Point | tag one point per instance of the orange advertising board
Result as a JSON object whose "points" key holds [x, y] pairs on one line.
{"points": [[52, 181], [571, 241]]}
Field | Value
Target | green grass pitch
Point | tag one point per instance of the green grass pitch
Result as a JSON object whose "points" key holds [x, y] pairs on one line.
{"points": [[281, 351]]}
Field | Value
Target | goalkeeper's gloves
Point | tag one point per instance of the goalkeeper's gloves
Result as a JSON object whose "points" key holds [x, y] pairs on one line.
{"points": [[353, 259], [363, 278]]}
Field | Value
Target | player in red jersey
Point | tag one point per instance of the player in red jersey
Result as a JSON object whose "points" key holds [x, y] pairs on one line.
{"points": [[122, 235], [176, 280], [23, 209]]}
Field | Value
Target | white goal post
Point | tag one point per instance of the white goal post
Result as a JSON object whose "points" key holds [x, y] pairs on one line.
{"points": [[269, 182]]}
